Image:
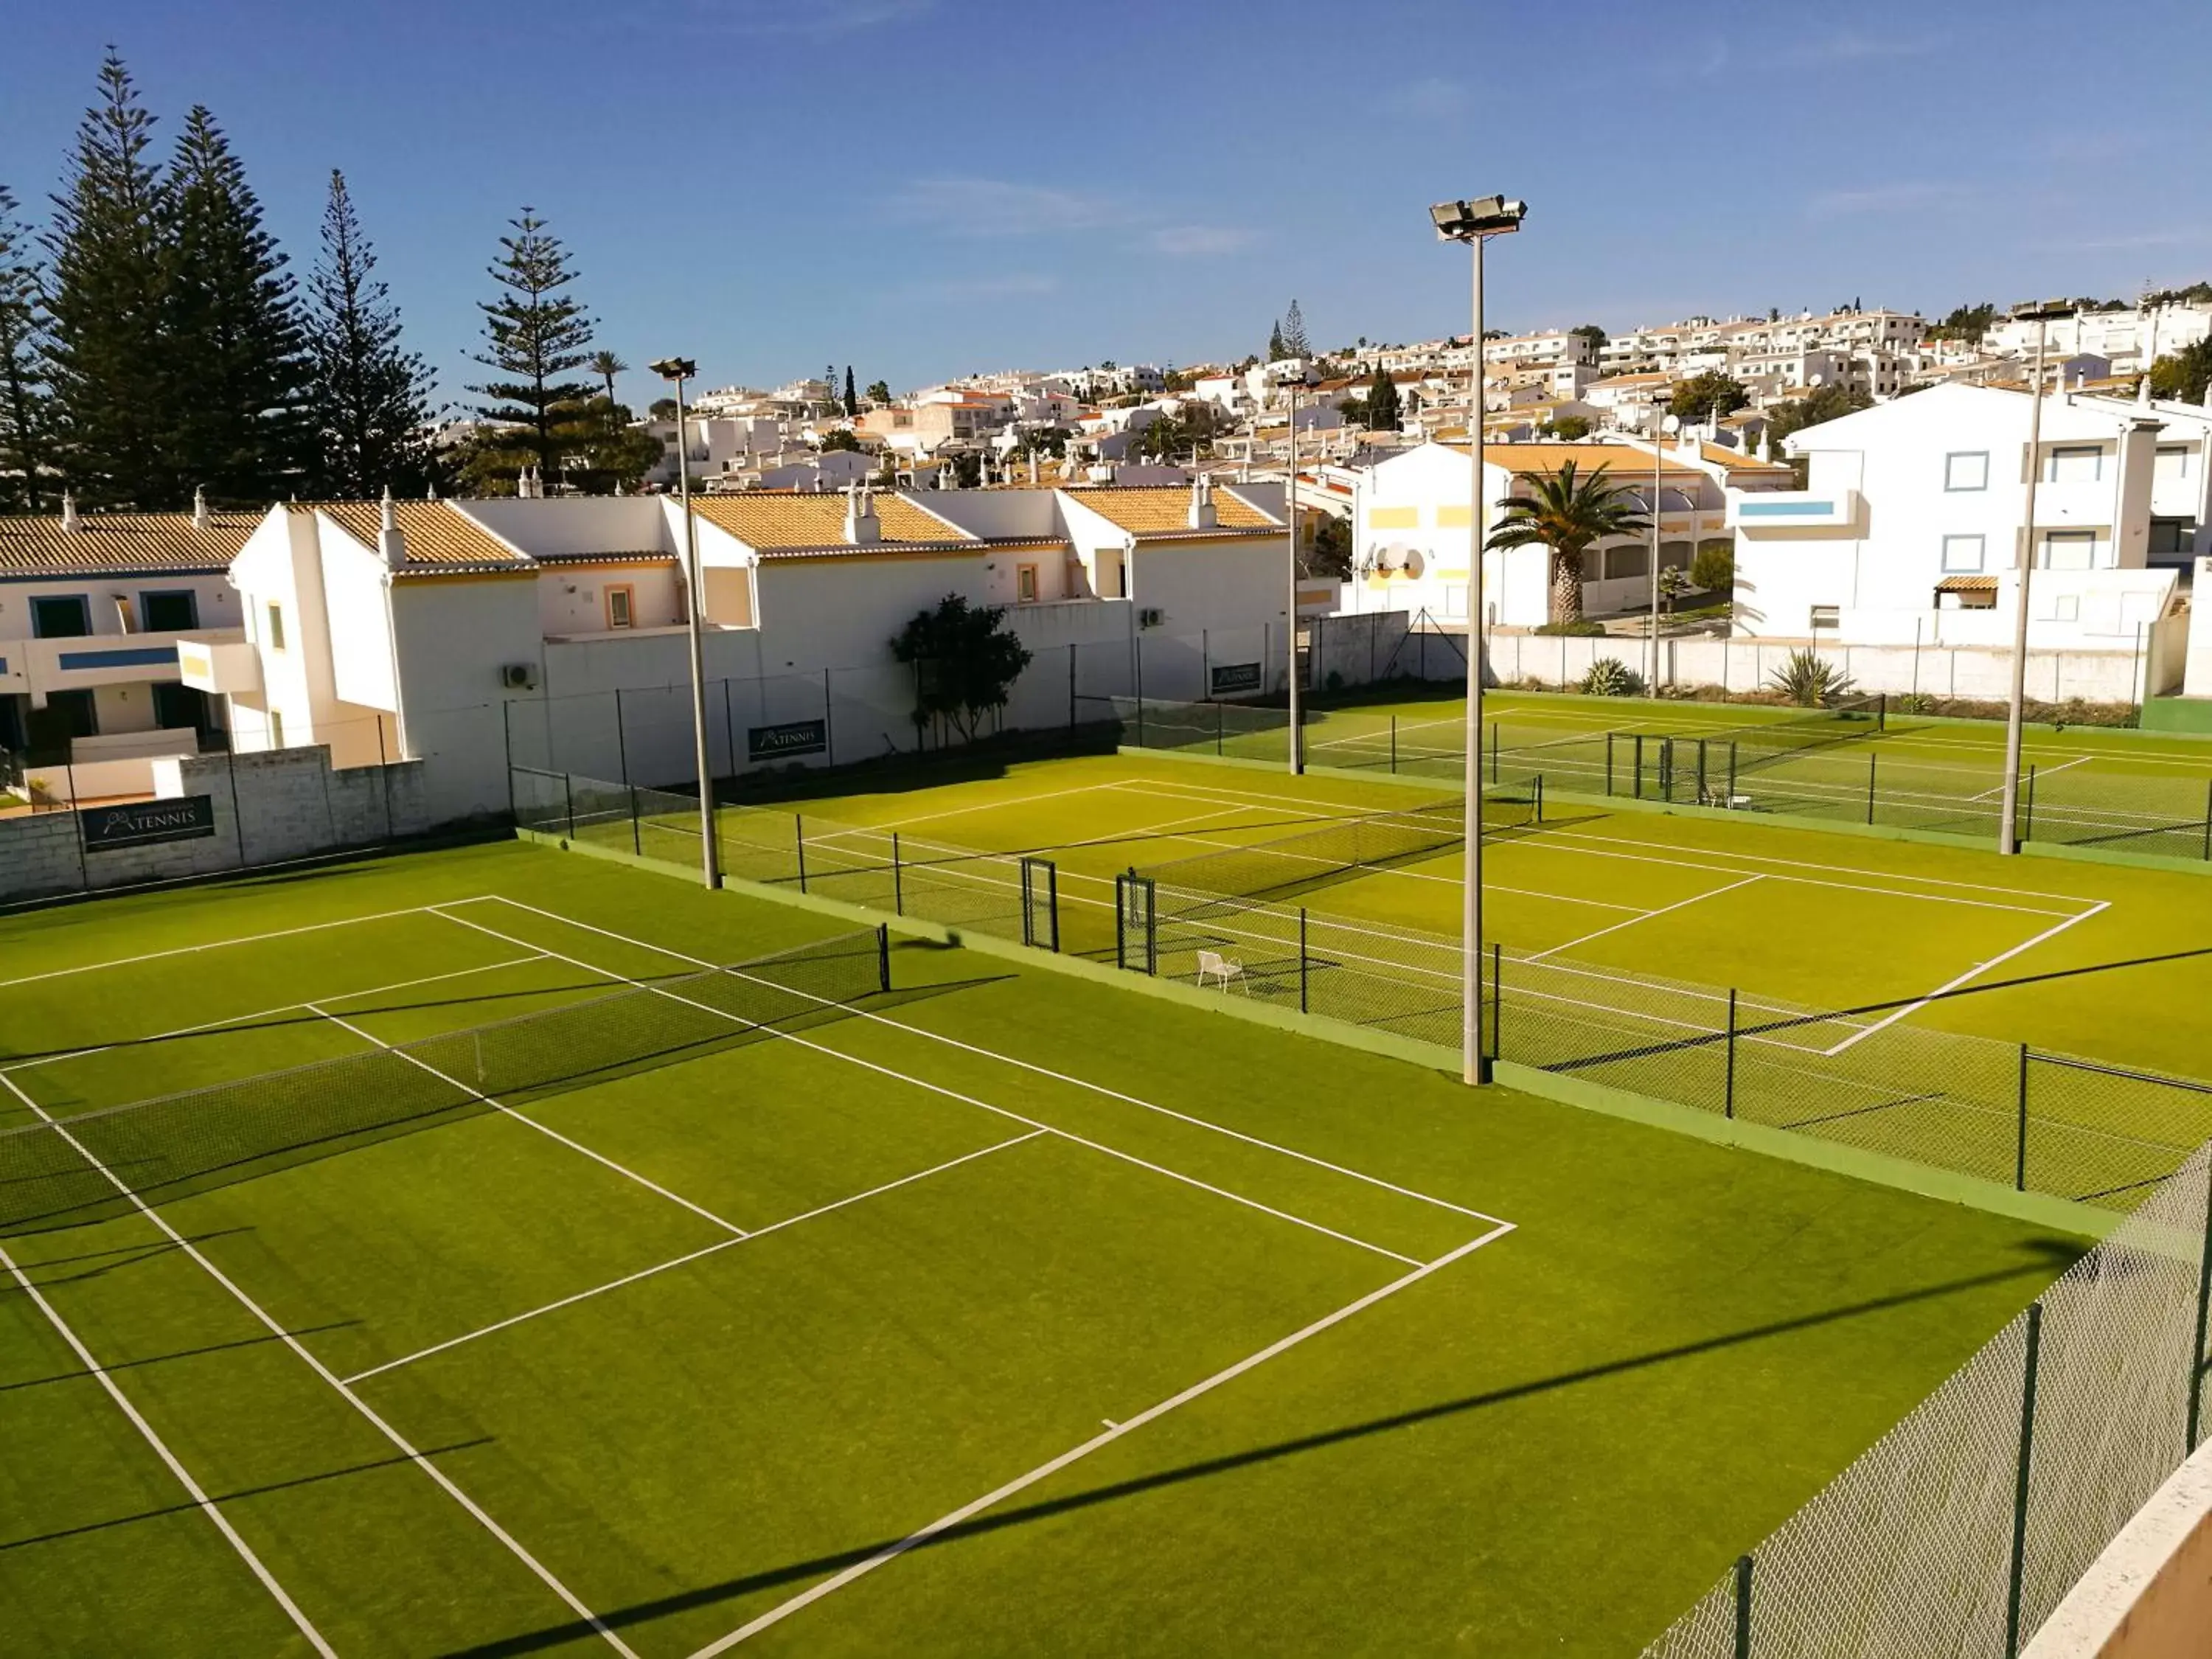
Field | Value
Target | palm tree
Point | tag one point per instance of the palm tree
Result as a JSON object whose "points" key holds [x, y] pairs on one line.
{"points": [[1568, 513], [606, 366]]}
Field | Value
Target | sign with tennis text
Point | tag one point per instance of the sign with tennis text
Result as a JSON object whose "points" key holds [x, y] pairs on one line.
{"points": [[767, 743], [137, 824], [1230, 676]]}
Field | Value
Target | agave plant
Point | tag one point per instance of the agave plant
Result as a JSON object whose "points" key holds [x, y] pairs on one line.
{"points": [[1809, 679], [1610, 677], [1569, 513]]}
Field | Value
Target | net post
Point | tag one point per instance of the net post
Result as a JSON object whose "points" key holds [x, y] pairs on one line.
{"points": [[799, 836], [1029, 903], [1540, 796], [898, 877], [1743, 1607], [1882, 712], [2197, 1361], [883, 955], [1728, 1085], [568, 794], [1870, 761], [2207, 802], [2020, 1156], [1302, 996], [2020, 1480], [636, 828], [1704, 795], [1497, 998]]}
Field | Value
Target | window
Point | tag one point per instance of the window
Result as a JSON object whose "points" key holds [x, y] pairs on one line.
{"points": [[2069, 549], [1967, 469], [2066, 607], [1631, 560], [65, 618], [619, 613], [2172, 461], [1963, 552], [1827, 616], [2075, 464], [276, 723], [2172, 537], [178, 705], [67, 714], [275, 629], [1025, 583], [170, 613]]}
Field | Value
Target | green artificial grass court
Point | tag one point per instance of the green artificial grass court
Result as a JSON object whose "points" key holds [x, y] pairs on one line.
{"points": [[1187, 1336]]}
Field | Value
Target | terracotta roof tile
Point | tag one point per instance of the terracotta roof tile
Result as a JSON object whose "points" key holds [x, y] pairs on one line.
{"points": [[121, 543], [766, 521], [1148, 510], [438, 535]]}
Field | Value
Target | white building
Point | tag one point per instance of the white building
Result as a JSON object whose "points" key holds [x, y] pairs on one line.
{"points": [[1914, 525], [2129, 338], [91, 607]]}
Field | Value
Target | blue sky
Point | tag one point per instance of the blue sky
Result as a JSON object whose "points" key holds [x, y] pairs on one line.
{"points": [[928, 187]]}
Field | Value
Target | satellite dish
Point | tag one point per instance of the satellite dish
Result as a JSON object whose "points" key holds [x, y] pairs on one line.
{"points": [[1670, 423]]}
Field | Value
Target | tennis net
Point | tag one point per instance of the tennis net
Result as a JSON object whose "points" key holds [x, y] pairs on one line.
{"points": [[52, 1173]]}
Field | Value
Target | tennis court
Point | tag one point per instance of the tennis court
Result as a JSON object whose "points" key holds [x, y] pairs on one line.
{"points": [[519, 1254]]}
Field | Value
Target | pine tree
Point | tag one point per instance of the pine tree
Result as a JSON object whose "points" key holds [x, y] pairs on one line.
{"points": [[1383, 410], [26, 409], [852, 398], [1294, 333], [104, 351], [537, 337], [371, 399], [236, 420], [1275, 343]]}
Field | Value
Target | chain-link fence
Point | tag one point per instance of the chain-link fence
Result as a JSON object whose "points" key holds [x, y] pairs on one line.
{"points": [[1960, 1532]]}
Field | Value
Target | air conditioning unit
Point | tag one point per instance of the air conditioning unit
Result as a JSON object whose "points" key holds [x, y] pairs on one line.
{"points": [[1150, 618], [518, 676]]}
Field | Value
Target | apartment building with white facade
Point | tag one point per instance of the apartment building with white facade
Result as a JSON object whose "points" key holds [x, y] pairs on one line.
{"points": [[2128, 337], [459, 634], [91, 607], [1914, 525]]}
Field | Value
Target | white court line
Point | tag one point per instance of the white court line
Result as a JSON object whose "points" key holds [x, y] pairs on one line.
{"points": [[2040, 772], [263, 1013], [213, 945], [627, 1174], [696, 1256], [1113, 1431], [950, 1094], [1979, 968], [1695, 898], [1023, 1065], [183, 1476], [399, 1441], [889, 824]]}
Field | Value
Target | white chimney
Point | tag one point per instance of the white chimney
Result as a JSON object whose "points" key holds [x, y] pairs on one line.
{"points": [[389, 541], [201, 517], [862, 527], [70, 520], [1202, 515]]}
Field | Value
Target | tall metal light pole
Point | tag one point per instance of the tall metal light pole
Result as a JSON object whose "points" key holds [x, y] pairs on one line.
{"points": [[2041, 313], [1475, 222], [1291, 611], [1658, 511], [678, 370]]}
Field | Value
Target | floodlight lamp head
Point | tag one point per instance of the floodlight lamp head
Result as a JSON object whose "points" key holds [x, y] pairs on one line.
{"points": [[2042, 311], [1485, 215], [675, 368]]}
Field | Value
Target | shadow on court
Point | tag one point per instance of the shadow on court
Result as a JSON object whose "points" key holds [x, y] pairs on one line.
{"points": [[2050, 1256]]}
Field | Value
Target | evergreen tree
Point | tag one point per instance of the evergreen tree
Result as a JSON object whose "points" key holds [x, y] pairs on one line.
{"points": [[371, 400], [600, 450], [235, 419], [1275, 341], [25, 410], [537, 335], [1383, 410], [879, 392], [104, 351], [852, 398], [1294, 333]]}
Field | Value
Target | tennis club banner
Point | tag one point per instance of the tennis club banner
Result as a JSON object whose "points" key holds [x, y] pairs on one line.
{"points": [[1228, 676], [792, 737], [135, 823]]}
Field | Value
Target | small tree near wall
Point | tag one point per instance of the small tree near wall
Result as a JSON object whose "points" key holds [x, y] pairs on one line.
{"points": [[965, 664]]}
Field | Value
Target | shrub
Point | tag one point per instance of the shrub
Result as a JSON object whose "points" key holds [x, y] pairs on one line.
{"points": [[1580, 628], [1915, 702], [1809, 679], [1610, 677]]}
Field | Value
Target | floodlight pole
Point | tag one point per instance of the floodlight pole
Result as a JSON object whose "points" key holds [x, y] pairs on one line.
{"points": [[2007, 814], [675, 369], [1658, 507], [1297, 735]]}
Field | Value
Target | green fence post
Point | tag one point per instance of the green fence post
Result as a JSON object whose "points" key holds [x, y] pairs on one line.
{"points": [[621, 742], [1704, 795], [1609, 763], [884, 955], [1120, 921], [1497, 1000], [636, 834], [2020, 1480], [1394, 766], [1493, 751], [2028, 811], [1728, 1086], [798, 834], [1870, 761], [1639, 766], [1151, 927], [1743, 1607], [898, 878], [1052, 900], [1302, 958], [2197, 1361], [2020, 1160], [1540, 796], [1731, 794], [568, 793]]}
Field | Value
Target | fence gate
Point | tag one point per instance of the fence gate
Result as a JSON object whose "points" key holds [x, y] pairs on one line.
{"points": [[1136, 924], [1041, 903]]}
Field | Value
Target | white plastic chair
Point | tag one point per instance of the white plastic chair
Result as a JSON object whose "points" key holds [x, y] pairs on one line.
{"points": [[1211, 964]]}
